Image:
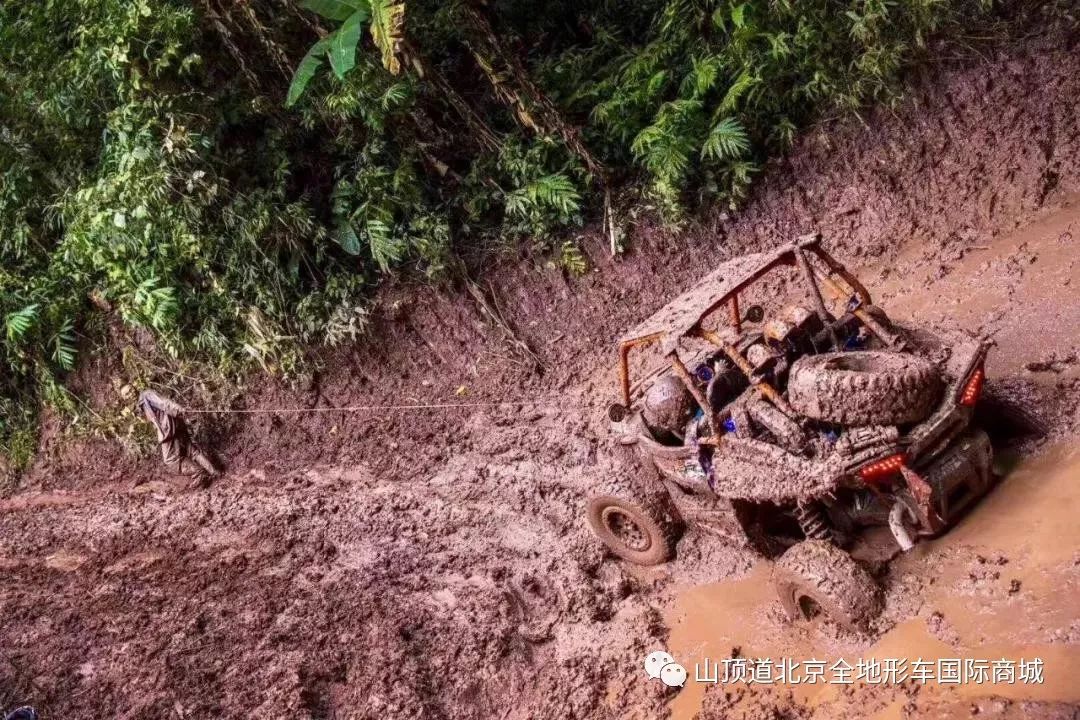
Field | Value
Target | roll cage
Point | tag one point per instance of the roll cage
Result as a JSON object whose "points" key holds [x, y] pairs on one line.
{"points": [[685, 316]]}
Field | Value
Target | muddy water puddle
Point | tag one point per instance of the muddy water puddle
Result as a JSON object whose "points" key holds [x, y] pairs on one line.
{"points": [[1003, 584]]}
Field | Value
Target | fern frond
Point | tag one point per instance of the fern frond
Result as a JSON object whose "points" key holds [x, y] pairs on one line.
{"points": [[555, 191], [785, 132], [742, 84], [702, 76], [64, 349], [666, 145], [19, 323], [727, 141], [572, 259], [386, 249], [395, 96]]}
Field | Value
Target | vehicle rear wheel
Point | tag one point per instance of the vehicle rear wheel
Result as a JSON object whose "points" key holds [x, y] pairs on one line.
{"points": [[636, 522], [817, 573], [864, 387], [1005, 418]]}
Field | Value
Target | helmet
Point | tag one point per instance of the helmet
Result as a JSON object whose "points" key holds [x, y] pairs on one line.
{"points": [[668, 405]]}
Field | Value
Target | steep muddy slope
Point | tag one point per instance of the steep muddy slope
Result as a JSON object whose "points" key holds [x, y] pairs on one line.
{"points": [[435, 564]]}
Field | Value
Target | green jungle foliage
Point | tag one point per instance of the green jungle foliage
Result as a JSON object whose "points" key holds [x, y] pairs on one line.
{"points": [[226, 181]]}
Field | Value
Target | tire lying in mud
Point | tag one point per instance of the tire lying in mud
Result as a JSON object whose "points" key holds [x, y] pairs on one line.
{"points": [[819, 572], [864, 387], [636, 520]]}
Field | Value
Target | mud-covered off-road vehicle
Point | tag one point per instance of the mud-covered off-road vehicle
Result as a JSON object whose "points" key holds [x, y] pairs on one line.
{"points": [[791, 429]]}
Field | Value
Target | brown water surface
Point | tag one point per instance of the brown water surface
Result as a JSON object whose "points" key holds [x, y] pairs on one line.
{"points": [[1001, 584]]}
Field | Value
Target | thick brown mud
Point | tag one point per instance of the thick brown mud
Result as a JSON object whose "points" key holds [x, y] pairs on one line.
{"points": [[437, 565], [1002, 585]]}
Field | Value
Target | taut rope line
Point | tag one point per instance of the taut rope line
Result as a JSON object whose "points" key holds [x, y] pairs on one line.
{"points": [[368, 408]]}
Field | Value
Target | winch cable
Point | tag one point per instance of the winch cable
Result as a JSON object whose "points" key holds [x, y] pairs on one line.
{"points": [[525, 404]]}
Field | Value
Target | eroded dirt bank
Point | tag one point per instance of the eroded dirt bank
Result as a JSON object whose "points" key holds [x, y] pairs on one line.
{"points": [[437, 565]]}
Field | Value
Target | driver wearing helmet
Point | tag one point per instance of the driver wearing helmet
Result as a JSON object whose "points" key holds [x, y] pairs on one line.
{"points": [[668, 408]]}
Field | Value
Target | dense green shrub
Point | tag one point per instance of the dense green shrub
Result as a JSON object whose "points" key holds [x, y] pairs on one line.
{"points": [[230, 179], [721, 85]]}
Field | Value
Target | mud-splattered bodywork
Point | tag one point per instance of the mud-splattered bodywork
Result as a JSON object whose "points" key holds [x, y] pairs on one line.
{"points": [[758, 452]]}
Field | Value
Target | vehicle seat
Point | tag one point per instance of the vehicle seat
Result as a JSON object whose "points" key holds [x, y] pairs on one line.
{"points": [[799, 326], [727, 384]]}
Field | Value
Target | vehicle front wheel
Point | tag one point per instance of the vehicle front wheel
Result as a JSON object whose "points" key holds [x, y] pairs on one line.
{"points": [[636, 523], [817, 573]]}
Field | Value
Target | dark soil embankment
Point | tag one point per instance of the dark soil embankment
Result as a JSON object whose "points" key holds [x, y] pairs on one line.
{"points": [[394, 565]]}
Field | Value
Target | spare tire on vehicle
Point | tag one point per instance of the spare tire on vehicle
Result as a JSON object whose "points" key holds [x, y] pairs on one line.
{"points": [[817, 573], [864, 387]]}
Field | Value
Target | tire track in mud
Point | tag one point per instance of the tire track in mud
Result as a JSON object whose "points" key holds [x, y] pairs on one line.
{"points": [[438, 566], [498, 574]]}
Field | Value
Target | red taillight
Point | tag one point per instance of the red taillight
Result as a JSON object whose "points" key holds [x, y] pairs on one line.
{"points": [[970, 395], [882, 468]]}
